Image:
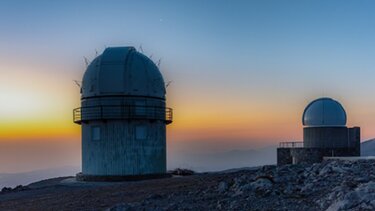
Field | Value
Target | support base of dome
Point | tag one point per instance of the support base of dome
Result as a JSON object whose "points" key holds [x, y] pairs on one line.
{"points": [[119, 178]]}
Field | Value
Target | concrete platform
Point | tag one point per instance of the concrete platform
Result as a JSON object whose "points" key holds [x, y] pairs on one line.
{"points": [[115, 178]]}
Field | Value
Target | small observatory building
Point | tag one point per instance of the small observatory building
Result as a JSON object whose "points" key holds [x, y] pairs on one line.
{"points": [[325, 134], [123, 117]]}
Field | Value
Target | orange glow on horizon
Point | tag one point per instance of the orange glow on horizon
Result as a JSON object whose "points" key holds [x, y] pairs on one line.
{"points": [[40, 107], [39, 130]]}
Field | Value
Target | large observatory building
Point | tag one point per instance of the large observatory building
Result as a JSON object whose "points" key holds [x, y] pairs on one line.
{"points": [[325, 134], [123, 117]]}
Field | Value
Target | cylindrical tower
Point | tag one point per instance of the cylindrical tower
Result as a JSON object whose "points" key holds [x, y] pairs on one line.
{"points": [[325, 124], [123, 117]]}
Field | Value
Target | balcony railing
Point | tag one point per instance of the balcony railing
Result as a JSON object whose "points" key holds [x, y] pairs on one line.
{"points": [[291, 144], [89, 113]]}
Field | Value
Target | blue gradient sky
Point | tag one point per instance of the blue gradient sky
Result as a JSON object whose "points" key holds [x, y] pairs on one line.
{"points": [[242, 71]]}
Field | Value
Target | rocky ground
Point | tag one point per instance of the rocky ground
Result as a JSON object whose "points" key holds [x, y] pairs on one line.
{"points": [[331, 185]]}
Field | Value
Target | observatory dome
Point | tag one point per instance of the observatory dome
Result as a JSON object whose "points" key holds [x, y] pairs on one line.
{"points": [[324, 112], [122, 71]]}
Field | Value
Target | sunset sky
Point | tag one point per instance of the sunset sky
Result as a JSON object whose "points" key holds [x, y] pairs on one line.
{"points": [[241, 71]]}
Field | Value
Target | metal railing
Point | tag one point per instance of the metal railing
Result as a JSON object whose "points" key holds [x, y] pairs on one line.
{"points": [[122, 112], [291, 144]]}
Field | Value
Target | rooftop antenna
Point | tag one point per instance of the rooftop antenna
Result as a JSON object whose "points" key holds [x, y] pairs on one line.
{"points": [[158, 63], [168, 83], [78, 83], [96, 53], [151, 56], [86, 61], [141, 49]]}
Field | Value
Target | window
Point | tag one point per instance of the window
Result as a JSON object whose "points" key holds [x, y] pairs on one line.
{"points": [[95, 133], [140, 132]]}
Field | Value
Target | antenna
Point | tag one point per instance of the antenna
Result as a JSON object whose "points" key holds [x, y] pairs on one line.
{"points": [[78, 83], [168, 83], [86, 61], [141, 49], [158, 63], [96, 53], [150, 56]]}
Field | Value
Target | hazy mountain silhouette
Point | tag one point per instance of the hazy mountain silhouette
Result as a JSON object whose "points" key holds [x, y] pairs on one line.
{"points": [[225, 160], [198, 162], [24, 178], [368, 148]]}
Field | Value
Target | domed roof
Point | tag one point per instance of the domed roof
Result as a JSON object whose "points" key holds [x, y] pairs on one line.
{"points": [[122, 71], [324, 112]]}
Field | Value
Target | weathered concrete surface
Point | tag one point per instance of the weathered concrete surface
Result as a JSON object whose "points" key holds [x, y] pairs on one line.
{"points": [[319, 142], [331, 137], [284, 156], [119, 153], [311, 155]]}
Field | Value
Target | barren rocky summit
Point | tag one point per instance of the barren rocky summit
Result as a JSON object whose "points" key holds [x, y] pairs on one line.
{"points": [[331, 185]]}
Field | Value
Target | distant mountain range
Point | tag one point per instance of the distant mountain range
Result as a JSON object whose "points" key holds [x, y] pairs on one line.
{"points": [[368, 148], [24, 178], [219, 161], [198, 162]]}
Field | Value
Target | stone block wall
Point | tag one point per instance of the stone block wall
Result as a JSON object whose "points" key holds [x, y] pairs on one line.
{"points": [[283, 156]]}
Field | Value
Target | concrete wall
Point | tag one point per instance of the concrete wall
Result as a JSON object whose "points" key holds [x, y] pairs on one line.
{"points": [[333, 137], [355, 140], [310, 155], [325, 137], [119, 152], [283, 156], [322, 142], [306, 155]]}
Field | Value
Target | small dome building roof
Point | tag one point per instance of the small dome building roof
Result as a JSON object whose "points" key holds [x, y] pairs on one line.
{"points": [[122, 71], [324, 112]]}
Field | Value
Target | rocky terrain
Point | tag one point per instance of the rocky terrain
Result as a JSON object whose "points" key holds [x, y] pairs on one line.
{"points": [[331, 185]]}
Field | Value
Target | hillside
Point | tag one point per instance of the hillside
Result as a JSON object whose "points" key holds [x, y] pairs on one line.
{"points": [[14, 179], [331, 185], [368, 148], [218, 161]]}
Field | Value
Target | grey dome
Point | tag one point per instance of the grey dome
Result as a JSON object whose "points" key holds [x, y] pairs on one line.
{"points": [[324, 112], [122, 71]]}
